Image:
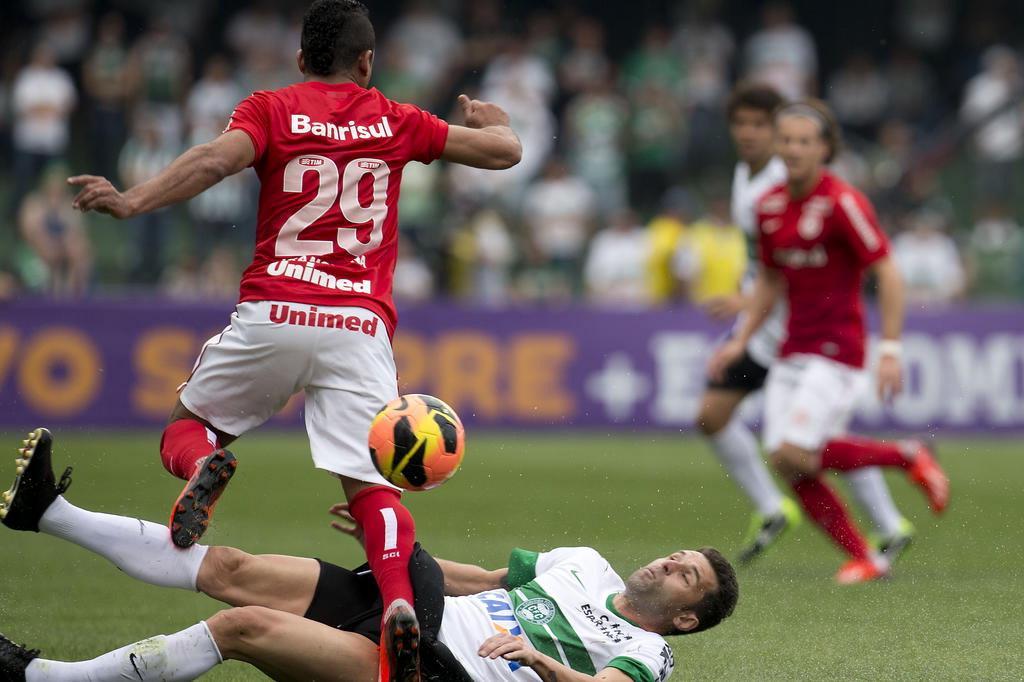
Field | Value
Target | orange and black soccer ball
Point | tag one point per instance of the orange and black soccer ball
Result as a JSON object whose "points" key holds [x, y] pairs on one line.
{"points": [[417, 442]]}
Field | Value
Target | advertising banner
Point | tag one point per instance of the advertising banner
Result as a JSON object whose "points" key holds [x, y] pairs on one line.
{"points": [[113, 363]]}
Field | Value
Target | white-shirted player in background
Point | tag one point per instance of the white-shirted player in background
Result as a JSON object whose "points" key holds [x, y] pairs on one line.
{"points": [[750, 111]]}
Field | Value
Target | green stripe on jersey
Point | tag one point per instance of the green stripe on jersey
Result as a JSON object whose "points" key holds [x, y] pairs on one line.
{"points": [[636, 670], [522, 567], [549, 630]]}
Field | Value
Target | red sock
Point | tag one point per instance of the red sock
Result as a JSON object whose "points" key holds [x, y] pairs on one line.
{"points": [[828, 511], [184, 443], [388, 534], [849, 452]]}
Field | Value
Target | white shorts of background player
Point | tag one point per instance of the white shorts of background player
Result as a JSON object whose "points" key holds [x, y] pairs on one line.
{"points": [[810, 399], [247, 373]]}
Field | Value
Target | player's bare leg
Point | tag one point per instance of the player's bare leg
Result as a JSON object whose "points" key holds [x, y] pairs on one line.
{"points": [[289, 647], [192, 449], [802, 468], [737, 449], [388, 536]]}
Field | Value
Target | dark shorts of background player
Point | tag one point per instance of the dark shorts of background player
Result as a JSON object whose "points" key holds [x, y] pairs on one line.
{"points": [[349, 600], [745, 375]]}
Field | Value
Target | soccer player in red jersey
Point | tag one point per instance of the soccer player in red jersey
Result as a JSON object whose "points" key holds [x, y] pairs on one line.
{"points": [[315, 311], [818, 236]]}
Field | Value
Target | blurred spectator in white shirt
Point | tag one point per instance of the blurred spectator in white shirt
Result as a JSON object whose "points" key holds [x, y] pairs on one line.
{"points": [[517, 71], [257, 28], [413, 280], [429, 40], [929, 260], [782, 53], [858, 94], [999, 137], [616, 269], [212, 98], [42, 99], [536, 126], [222, 214], [482, 254], [55, 233], [558, 210]]}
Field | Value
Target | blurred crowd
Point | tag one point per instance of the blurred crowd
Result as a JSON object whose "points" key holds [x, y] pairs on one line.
{"points": [[622, 196]]}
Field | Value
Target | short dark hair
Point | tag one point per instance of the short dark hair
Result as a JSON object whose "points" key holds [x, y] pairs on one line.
{"points": [[334, 34], [716, 606], [757, 96], [830, 130]]}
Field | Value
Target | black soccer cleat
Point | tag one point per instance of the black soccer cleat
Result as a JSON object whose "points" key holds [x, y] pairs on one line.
{"points": [[14, 659], [400, 644], [190, 516], [34, 488]]}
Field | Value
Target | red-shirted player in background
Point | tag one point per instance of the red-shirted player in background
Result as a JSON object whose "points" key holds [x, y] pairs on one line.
{"points": [[315, 311], [818, 236]]}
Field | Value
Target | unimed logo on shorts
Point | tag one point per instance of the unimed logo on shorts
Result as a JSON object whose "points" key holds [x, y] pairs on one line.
{"points": [[281, 313]]}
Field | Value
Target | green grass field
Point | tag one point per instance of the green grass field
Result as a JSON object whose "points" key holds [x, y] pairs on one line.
{"points": [[952, 610]]}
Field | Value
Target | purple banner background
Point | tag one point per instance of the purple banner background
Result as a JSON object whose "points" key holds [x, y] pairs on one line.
{"points": [[117, 364]]}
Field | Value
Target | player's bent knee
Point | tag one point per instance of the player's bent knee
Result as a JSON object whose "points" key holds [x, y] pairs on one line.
{"points": [[238, 631], [793, 462], [219, 571]]}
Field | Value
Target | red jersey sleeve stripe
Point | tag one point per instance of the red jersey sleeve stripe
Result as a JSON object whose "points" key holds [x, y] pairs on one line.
{"points": [[861, 225]]}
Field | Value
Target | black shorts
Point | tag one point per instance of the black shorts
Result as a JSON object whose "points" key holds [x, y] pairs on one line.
{"points": [[746, 374], [349, 600]]}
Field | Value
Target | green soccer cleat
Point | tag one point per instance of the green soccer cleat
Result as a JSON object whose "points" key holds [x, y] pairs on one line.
{"points": [[892, 546], [765, 530]]}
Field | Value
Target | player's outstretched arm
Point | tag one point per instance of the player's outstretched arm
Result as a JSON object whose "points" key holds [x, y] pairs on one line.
{"points": [[891, 307], [465, 579], [767, 290], [486, 141], [513, 648], [196, 170]]}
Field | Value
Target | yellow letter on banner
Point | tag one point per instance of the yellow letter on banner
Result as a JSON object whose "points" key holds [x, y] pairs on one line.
{"points": [[73, 390], [163, 359], [467, 371], [537, 376]]}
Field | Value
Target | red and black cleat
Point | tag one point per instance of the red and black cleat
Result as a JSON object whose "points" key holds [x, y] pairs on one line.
{"points": [[190, 516], [400, 644]]}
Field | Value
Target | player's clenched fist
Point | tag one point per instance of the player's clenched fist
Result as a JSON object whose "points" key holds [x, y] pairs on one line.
{"points": [[482, 114], [98, 194]]}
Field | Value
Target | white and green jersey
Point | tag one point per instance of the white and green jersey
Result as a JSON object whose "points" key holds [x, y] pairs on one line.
{"points": [[561, 603]]}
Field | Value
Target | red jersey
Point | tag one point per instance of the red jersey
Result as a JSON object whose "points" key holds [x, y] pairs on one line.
{"points": [[822, 244], [330, 158]]}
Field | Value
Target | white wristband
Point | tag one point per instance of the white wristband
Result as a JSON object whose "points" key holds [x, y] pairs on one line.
{"points": [[890, 347]]}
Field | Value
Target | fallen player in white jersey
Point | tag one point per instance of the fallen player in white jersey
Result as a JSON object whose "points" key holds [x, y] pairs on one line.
{"points": [[563, 614]]}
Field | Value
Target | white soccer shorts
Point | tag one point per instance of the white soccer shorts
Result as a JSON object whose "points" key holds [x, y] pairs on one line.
{"points": [[808, 400], [340, 357]]}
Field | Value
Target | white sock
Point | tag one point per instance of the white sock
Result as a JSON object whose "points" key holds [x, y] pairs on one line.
{"points": [[141, 549], [868, 487], [737, 449], [179, 657]]}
